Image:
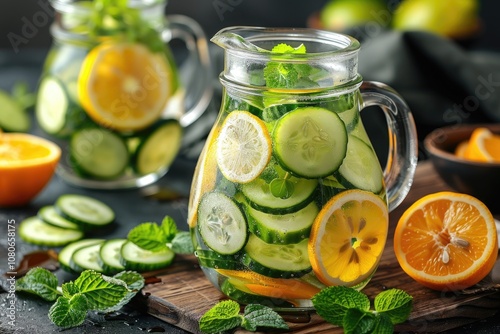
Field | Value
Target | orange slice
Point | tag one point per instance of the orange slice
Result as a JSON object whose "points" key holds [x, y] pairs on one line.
{"points": [[348, 237], [125, 86], [27, 163], [243, 147], [483, 146], [204, 178], [461, 149], [285, 288], [446, 241]]}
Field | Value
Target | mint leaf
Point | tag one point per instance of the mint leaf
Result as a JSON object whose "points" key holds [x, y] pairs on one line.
{"points": [[182, 243], [281, 188], [148, 236], [258, 316], [100, 291], [395, 304], [39, 281], [286, 75], [333, 303], [225, 315], [359, 322], [169, 228], [134, 282], [280, 75], [69, 311], [69, 289], [383, 325]]}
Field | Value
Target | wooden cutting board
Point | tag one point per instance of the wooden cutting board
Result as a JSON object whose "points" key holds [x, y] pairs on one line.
{"points": [[182, 294]]}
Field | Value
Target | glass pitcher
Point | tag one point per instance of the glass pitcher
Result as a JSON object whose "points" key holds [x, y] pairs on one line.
{"points": [[288, 195], [111, 93]]}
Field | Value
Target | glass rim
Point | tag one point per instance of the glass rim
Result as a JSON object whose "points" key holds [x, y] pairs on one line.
{"points": [[342, 45]]}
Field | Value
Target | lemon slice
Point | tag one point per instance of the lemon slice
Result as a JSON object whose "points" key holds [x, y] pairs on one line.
{"points": [[348, 237], [124, 86], [243, 147]]}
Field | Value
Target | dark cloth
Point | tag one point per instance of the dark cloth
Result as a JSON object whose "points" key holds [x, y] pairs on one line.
{"points": [[443, 83]]}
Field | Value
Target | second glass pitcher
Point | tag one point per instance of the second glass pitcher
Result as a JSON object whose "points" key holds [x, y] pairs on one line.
{"points": [[288, 196], [111, 93]]}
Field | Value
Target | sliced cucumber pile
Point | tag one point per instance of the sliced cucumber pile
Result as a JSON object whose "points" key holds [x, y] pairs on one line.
{"points": [[13, 118], [66, 221], [111, 256]]}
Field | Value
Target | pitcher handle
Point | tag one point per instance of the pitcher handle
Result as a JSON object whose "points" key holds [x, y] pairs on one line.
{"points": [[196, 68], [403, 143]]}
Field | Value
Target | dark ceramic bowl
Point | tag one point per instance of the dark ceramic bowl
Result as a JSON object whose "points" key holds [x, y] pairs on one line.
{"points": [[479, 179]]}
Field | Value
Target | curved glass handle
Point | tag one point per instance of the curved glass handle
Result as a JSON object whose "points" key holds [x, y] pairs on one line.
{"points": [[195, 71], [403, 143]]}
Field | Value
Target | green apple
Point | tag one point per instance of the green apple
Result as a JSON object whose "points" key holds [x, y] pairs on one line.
{"points": [[451, 18], [339, 15]]}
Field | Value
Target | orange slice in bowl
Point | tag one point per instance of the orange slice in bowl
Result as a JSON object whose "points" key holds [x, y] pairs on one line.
{"points": [[348, 237], [125, 86], [483, 146], [446, 241]]}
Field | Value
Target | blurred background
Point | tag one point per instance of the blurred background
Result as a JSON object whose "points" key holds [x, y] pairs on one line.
{"points": [[442, 56]]}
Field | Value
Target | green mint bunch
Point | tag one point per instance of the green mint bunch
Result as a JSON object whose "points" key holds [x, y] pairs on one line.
{"points": [[155, 238], [225, 316], [278, 74], [350, 309], [116, 18], [91, 291]]}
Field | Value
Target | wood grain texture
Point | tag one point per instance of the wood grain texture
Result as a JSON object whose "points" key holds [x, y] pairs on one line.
{"points": [[183, 294]]}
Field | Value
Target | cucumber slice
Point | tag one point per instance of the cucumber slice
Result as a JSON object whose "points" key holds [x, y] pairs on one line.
{"points": [[284, 228], [260, 197], [109, 256], [361, 168], [135, 258], [67, 252], [221, 223], [350, 117], [159, 148], [85, 211], [278, 261], [211, 259], [86, 258], [36, 231], [310, 142], [99, 153], [50, 215], [13, 118], [52, 106]]}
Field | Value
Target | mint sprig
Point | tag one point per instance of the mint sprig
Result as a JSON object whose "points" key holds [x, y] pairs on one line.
{"points": [[155, 238], [91, 291], [350, 309], [225, 315], [115, 18]]}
